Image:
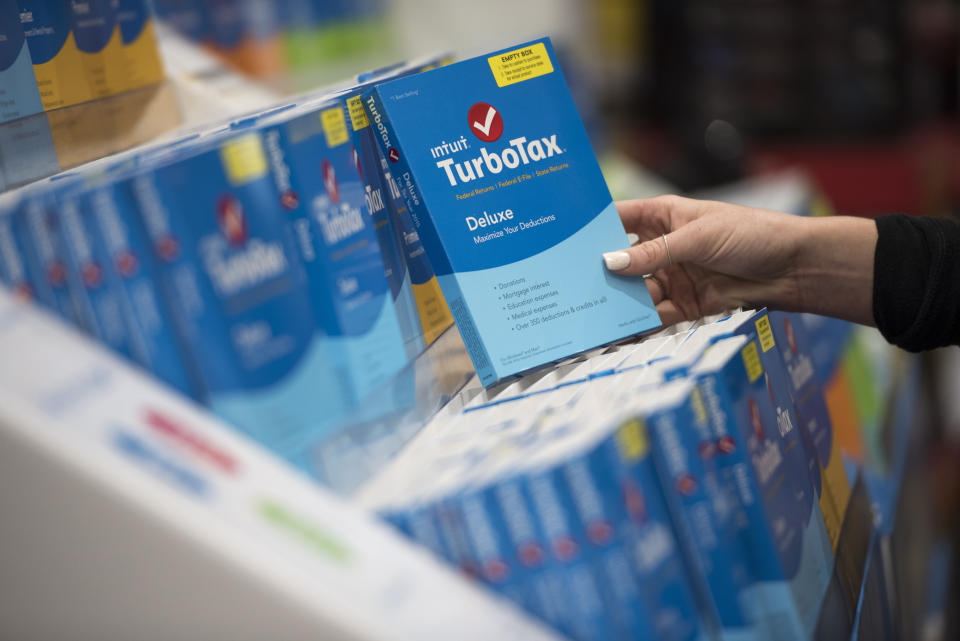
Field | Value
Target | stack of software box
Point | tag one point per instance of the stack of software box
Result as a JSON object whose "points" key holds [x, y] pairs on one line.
{"points": [[656, 489], [242, 264], [78, 80]]}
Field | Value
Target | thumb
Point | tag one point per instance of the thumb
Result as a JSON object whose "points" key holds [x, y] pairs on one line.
{"points": [[647, 257]]}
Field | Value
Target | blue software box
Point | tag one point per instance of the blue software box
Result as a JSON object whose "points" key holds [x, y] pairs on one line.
{"points": [[509, 202]]}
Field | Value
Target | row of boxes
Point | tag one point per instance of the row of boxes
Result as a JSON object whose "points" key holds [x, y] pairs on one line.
{"points": [[266, 267], [57, 54], [670, 488]]}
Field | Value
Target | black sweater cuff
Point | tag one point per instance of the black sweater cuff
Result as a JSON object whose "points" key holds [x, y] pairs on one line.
{"points": [[916, 281]]}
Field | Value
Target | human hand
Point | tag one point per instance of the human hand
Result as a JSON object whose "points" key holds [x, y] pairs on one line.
{"points": [[703, 257]]}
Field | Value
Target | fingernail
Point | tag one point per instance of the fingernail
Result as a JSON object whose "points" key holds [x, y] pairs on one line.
{"points": [[616, 261], [633, 239]]}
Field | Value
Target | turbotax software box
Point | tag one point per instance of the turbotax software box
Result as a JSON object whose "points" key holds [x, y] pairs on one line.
{"points": [[510, 205]]}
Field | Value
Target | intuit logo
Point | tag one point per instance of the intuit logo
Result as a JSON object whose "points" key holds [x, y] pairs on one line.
{"points": [[446, 148]]}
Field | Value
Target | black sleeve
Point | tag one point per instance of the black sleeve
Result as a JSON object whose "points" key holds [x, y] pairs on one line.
{"points": [[916, 281]]}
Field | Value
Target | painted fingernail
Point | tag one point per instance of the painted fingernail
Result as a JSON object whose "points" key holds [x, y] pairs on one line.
{"points": [[616, 261], [633, 239]]}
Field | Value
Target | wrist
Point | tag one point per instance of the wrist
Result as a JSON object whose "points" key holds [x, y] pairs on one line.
{"points": [[834, 267]]}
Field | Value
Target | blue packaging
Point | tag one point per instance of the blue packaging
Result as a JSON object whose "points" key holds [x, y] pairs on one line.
{"points": [[377, 197], [619, 527], [419, 301], [545, 593], [786, 558], [331, 218], [809, 433], [414, 284], [586, 617], [828, 341], [238, 286], [46, 256], [713, 560], [132, 271], [490, 546], [14, 269], [596, 500], [592, 568], [510, 205], [795, 348], [649, 533], [99, 306]]}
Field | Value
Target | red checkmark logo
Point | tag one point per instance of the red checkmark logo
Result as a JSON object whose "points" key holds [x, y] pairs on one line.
{"points": [[485, 122]]}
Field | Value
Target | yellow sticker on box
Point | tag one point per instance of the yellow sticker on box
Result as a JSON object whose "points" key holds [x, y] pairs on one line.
{"points": [[699, 407], [632, 440], [334, 126], [358, 117], [765, 333], [244, 159], [751, 360], [520, 64]]}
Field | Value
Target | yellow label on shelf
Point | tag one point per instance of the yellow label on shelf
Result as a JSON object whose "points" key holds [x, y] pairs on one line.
{"points": [[751, 360], [520, 64], [334, 126], [632, 440], [435, 316], [244, 159], [358, 117], [765, 333], [835, 479]]}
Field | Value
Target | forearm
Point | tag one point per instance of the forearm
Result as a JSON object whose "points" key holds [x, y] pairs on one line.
{"points": [[834, 267]]}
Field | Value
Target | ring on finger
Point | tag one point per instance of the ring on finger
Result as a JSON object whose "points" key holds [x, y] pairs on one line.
{"points": [[663, 289], [666, 247]]}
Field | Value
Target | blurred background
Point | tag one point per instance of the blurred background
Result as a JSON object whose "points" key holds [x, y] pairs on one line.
{"points": [[861, 94]]}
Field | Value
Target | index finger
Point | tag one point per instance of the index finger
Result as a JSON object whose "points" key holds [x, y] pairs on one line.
{"points": [[651, 217], [645, 217]]}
